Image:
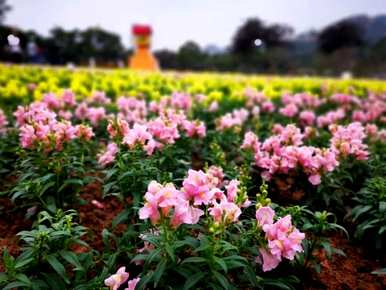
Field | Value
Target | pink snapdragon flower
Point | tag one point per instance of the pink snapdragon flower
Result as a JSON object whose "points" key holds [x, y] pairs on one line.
{"points": [[229, 120], [118, 128], [117, 279], [95, 115], [167, 201], [225, 211], [269, 262], [100, 98], [68, 98], [52, 101], [131, 284], [3, 122], [331, 117], [267, 107], [109, 155], [27, 136], [251, 141], [265, 215], [284, 240], [181, 101], [84, 132], [289, 110], [307, 118], [81, 112], [139, 134], [197, 186], [348, 140], [215, 175], [232, 189], [213, 107], [194, 128]]}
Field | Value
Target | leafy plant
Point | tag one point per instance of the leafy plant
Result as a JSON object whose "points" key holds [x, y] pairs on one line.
{"points": [[47, 260], [370, 212]]}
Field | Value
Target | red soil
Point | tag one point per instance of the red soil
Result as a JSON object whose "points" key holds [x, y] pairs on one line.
{"points": [[350, 272], [11, 222], [98, 214]]}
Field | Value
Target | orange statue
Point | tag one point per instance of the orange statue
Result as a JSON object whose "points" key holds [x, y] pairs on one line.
{"points": [[142, 59]]}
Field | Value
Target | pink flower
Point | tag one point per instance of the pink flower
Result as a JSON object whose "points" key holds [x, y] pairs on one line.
{"points": [[27, 136], [100, 98], [82, 111], [167, 201], [264, 215], [268, 107], [289, 110], [194, 128], [131, 284], [215, 175], [348, 140], [314, 179], [251, 141], [95, 115], [137, 135], [232, 189], [225, 211], [109, 155], [3, 122], [197, 186], [117, 279], [213, 107], [270, 261], [68, 98], [284, 240], [52, 101], [84, 132], [307, 118]]}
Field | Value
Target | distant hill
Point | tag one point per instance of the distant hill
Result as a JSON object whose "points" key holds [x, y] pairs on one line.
{"points": [[373, 28]]}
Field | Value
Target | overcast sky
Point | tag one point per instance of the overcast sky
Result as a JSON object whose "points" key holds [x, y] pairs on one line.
{"points": [[175, 21]]}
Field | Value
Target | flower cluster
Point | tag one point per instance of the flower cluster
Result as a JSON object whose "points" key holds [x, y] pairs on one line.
{"points": [[230, 120], [155, 133], [284, 240], [182, 206], [284, 152], [348, 140], [39, 127]]}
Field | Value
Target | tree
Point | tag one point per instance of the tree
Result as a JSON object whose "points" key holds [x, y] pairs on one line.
{"points": [[79, 46], [4, 8], [271, 36], [343, 34], [190, 56], [167, 59]]}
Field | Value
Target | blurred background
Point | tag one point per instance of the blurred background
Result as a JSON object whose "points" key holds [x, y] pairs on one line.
{"points": [[299, 37]]}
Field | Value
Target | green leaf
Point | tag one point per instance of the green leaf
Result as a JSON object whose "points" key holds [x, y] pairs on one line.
{"points": [[221, 263], [58, 267], [194, 260], [382, 206], [193, 280], [159, 271], [71, 258], [23, 278], [359, 210], [222, 279], [16, 285], [22, 263]]}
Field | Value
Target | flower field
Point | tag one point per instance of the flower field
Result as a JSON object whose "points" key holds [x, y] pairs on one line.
{"points": [[112, 179]]}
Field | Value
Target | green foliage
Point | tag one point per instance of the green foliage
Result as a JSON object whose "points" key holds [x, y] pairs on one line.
{"points": [[370, 212], [54, 179], [47, 260]]}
